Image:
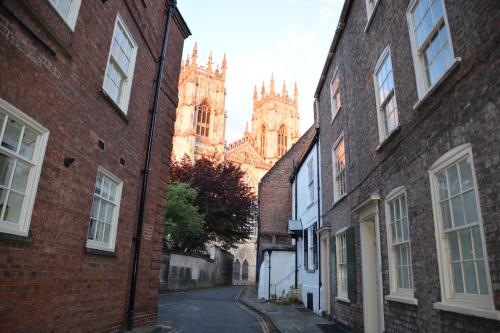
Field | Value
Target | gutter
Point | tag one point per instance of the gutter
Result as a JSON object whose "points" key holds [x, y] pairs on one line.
{"points": [[145, 176], [318, 243]]}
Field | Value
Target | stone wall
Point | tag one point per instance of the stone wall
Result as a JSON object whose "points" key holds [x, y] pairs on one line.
{"points": [[180, 271]]}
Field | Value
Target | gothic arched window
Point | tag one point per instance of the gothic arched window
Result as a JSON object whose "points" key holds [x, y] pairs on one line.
{"points": [[203, 120], [282, 141], [263, 139], [244, 271], [236, 270]]}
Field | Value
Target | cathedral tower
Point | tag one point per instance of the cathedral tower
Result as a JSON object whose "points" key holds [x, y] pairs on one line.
{"points": [[201, 116], [275, 121]]}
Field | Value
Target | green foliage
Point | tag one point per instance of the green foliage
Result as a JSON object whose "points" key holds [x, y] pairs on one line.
{"points": [[184, 225]]}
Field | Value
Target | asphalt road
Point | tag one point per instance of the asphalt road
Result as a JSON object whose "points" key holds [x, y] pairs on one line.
{"points": [[206, 311]]}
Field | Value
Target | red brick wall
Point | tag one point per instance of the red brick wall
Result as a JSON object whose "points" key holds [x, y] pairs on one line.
{"points": [[49, 282]]}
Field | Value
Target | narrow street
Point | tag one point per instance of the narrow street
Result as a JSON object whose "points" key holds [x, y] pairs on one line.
{"points": [[206, 311]]}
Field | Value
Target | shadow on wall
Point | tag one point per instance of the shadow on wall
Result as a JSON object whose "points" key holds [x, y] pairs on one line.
{"points": [[180, 271]]}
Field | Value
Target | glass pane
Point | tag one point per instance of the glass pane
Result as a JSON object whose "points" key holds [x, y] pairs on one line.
{"points": [[112, 191], [64, 6], [109, 213], [465, 174], [95, 207], [442, 186], [454, 248], [28, 144], [107, 229], [403, 206], [92, 228], [398, 211], [6, 167], [481, 276], [428, 24], [14, 205], [12, 133], [3, 195], [478, 244], [102, 211], [398, 231], [457, 211], [466, 243], [436, 9], [470, 277], [100, 231], [400, 277], [21, 175], [393, 232], [404, 254], [420, 35], [446, 215], [404, 223], [105, 188], [471, 215], [453, 180], [458, 283], [98, 184]]}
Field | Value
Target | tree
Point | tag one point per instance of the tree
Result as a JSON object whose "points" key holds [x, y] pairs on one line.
{"points": [[226, 201], [184, 225]]}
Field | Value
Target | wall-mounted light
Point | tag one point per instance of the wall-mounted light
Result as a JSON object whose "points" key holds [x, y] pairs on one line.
{"points": [[68, 161]]}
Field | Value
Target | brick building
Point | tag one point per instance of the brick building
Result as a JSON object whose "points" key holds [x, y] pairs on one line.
{"points": [[77, 94], [408, 112]]}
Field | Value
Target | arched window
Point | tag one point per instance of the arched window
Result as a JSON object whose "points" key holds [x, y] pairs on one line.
{"points": [[236, 270], [263, 139], [203, 120], [244, 271], [282, 140]]}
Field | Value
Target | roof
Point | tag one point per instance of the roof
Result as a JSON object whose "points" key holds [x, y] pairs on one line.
{"points": [[181, 23], [313, 140]]}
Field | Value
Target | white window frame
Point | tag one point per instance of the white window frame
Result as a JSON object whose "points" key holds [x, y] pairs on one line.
{"points": [[398, 294], [371, 8], [310, 248], [310, 182], [423, 88], [480, 305], [22, 228], [333, 96], [74, 8], [124, 99], [341, 263], [92, 244], [383, 135], [336, 193]]}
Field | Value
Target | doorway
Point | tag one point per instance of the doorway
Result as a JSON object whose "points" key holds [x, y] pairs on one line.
{"points": [[325, 276]]}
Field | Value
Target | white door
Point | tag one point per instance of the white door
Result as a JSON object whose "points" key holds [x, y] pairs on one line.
{"points": [[372, 301]]}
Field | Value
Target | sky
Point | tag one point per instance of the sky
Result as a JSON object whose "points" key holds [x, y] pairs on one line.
{"points": [[289, 38]]}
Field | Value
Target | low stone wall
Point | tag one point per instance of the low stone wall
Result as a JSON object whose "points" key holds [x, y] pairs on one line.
{"points": [[180, 271]]}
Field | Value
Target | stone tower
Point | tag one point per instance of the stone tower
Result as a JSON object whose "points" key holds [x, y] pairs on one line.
{"points": [[201, 116], [275, 121]]}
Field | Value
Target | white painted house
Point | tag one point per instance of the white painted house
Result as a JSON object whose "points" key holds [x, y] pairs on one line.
{"points": [[305, 225]]}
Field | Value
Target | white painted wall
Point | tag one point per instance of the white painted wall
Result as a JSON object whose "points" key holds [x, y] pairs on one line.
{"points": [[282, 274]]}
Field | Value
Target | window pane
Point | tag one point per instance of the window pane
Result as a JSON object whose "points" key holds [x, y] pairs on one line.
{"points": [[3, 195], [470, 277], [109, 213], [107, 229], [436, 9], [457, 210], [105, 188], [404, 223], [478, 244], [102, 211], [466, 244], [100, 232], [92, 228], [112, 191], [481, 276], [453, 180], [6, 167], [95, 207], [12, 133], [98, 184], [442, 186], [454, 248], [28, 144], [446, 215], [465, 174], [458, 282], [471, 214], [21, 175], [14, 205]]}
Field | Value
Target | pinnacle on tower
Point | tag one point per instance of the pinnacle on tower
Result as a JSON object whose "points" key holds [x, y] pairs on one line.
{"points": [[224, 66], [284, 92], [246, 127], [209, 64], [271, 86], [194, 57], [255, 92], [186, 63], [296, 95], [262, 90]]}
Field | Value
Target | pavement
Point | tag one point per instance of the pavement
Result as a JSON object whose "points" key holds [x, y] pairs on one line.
{"points": [[208, 311], [293, 318]]}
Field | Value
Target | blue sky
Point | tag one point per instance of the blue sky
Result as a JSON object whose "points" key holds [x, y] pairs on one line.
{"points": [[287, 37]]}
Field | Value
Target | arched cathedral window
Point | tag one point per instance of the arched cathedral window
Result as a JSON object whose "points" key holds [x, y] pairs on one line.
{"points": [[203, 120], [263, 139], [282, 140], [236, 270], [244, 270]]}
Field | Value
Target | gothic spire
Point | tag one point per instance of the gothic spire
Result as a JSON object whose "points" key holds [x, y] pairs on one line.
{"points": [[262, 90], [194, 57], [209, 64], [296, 95], [271, 86], [255, 92], [224, 66], [284, 92]]}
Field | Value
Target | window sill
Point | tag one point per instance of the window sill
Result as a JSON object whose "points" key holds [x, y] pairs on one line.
{"points": [[106, 253], [336, 202], [335, 115], [467, 310], [401, 299], [372, 14], [437, 84], [113, 104], [343, 299], [10, 237], [388, 138]]}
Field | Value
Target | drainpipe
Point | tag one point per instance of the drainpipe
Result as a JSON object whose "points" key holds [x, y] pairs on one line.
{"points": [[296, 240], [318, 243], [269, 282], [137, 249]]}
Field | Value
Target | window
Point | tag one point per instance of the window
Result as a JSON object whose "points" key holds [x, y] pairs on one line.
{"points": [[430, 41], [464, 272], [342, 286], [385, 96], [310, 248], [203, 120], [68, 9], [282, 140], [22, 151], [335, 94], [310, 180], [339, 177], [104, 213], [236, 270], [398, 238], [263, 140], [306, 248], [244, 271], [120, 69]]}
